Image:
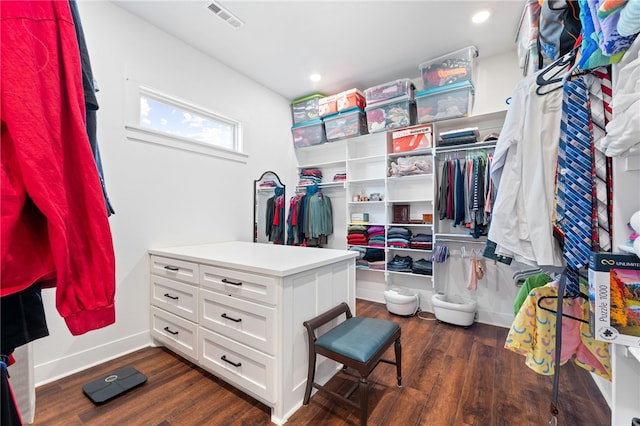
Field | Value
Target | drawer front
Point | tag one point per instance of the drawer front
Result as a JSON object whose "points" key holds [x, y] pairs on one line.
{"points": [[175, 333], [247, 369], [176, 297], [174, 269], [260, 288], [240, 320]]}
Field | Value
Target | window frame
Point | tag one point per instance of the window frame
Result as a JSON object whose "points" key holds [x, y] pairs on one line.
{"points": [[136, 132]]}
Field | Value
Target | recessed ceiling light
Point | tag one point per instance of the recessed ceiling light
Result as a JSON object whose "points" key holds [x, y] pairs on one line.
{"points": [[480, 17], [315, 77]]}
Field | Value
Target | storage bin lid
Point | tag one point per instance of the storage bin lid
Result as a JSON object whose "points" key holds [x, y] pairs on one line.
{"points": [[447, 88], [397, 100], [315, 121], [307, 98], [345, 112], [469, 52]]}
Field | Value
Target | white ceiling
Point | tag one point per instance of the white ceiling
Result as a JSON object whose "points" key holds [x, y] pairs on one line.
{"points": [[350, 43]]}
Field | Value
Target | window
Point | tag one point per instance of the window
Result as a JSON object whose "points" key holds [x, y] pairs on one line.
{"points": [[164, 120]]}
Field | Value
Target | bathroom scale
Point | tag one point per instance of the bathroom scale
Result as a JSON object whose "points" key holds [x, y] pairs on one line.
{"points": [[113, 384]]}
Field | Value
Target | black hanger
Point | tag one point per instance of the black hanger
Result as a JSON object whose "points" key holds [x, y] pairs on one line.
{"points": [[578, 294], [549, 75]]}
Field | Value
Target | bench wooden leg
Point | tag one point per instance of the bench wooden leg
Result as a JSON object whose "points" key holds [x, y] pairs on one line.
{"points": [[398, 349], [311, 375], [364, 406]]}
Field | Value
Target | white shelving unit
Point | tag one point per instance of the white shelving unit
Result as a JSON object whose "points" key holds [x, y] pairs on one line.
{"points": [[366, 160]]}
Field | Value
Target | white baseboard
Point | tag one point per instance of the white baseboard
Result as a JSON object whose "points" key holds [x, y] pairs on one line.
{"points": [[65, 366]]}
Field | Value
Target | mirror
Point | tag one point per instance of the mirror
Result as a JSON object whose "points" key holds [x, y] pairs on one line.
{"points": [[269, 220]]}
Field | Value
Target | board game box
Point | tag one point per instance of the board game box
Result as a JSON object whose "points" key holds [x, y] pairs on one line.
{"points": [[614, 296]]}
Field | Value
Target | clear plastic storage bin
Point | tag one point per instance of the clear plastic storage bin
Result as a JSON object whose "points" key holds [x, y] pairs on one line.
{"points": [[350, 99], [327, 106], [308, 133], [390, 90], [305, 109], [345, 124], [455, 67], [444, 102], [392, 114]]}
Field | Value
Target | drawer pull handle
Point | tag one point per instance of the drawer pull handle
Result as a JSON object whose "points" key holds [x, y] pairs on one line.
{"points": [[235, 364], [229, 318], [168, 330], [171, 297], [171, 268], [226, 281]]}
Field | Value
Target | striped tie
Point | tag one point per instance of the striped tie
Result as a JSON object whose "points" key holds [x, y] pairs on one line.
{"points": [[604, 74], [578, 186]]}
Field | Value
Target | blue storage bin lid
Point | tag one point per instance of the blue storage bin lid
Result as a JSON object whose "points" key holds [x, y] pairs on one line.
{"points": [[399, 99], [343, 113], [307, 123], [454, 86]]}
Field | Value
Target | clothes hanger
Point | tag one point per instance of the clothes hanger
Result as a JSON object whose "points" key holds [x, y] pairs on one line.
{"points": [[551, 74], [564, 315]]}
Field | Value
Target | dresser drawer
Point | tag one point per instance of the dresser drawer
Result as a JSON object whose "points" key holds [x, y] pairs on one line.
{"points": [[174, 269], [256, 287], [176, 297], [174, 332], [240, 365], [240, 320]]}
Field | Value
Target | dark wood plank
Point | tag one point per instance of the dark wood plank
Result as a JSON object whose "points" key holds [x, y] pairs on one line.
{"points": [[451, 376]]}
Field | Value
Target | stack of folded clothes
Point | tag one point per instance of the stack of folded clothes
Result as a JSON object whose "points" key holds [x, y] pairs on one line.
{"points": [[421, 241], [398, 236], [357, 235], [376, 236], [422, 266], [371, 258], [400, 264], [310, 176]]}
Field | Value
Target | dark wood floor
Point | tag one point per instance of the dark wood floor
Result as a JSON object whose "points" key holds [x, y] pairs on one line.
{"points": [[452, 376]]}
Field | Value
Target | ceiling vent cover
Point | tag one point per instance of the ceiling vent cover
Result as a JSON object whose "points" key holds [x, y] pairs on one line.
{"points": [[225, 15]]}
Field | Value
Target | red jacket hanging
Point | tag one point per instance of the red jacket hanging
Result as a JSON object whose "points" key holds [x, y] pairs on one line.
{"points": [[54, 222]]}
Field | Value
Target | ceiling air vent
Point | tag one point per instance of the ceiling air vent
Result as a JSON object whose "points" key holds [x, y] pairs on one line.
{"points": [[225, 15]]}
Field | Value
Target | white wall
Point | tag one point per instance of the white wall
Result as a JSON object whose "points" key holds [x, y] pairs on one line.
{"points": [[163, 196]]}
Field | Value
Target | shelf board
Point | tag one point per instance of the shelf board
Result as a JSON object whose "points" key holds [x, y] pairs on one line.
{"points": [[426, 151], [410, 274], [322, 164], [409, 249], [424, 225], [371, 180], [324, 185], [367, 224], [367, 159], [366, 202], [410, 177], [369, 247], [423, 200], [369, 269]]}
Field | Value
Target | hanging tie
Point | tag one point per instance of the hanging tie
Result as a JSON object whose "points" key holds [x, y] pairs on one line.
{"points": [[576, 135]]}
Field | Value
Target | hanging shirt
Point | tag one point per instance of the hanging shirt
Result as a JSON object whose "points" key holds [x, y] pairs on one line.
{"points": [[54, 221], [532, 334], [523, 170]]}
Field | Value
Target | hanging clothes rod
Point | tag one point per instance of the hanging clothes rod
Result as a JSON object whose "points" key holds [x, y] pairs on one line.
{"points": [[467, 147], [450, 240]]}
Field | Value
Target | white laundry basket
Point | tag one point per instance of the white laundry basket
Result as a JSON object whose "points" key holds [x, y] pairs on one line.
{"points": [[454, 309], [401, 301]]}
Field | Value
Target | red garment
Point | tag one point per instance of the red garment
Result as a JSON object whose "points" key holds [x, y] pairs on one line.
{"points": [[54, 220]]}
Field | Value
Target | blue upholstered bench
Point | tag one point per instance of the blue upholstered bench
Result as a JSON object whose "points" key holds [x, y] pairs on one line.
{"points": [[358, 343]]}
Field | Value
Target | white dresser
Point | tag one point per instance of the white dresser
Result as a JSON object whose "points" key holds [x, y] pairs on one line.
{"points": [[237, 308]]}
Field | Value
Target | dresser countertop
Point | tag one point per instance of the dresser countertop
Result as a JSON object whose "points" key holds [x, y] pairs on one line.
{"points": [[270, 259]]}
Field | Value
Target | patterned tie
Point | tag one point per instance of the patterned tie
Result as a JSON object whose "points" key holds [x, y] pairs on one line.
{"points": [[578, 188], [604, 74]]}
